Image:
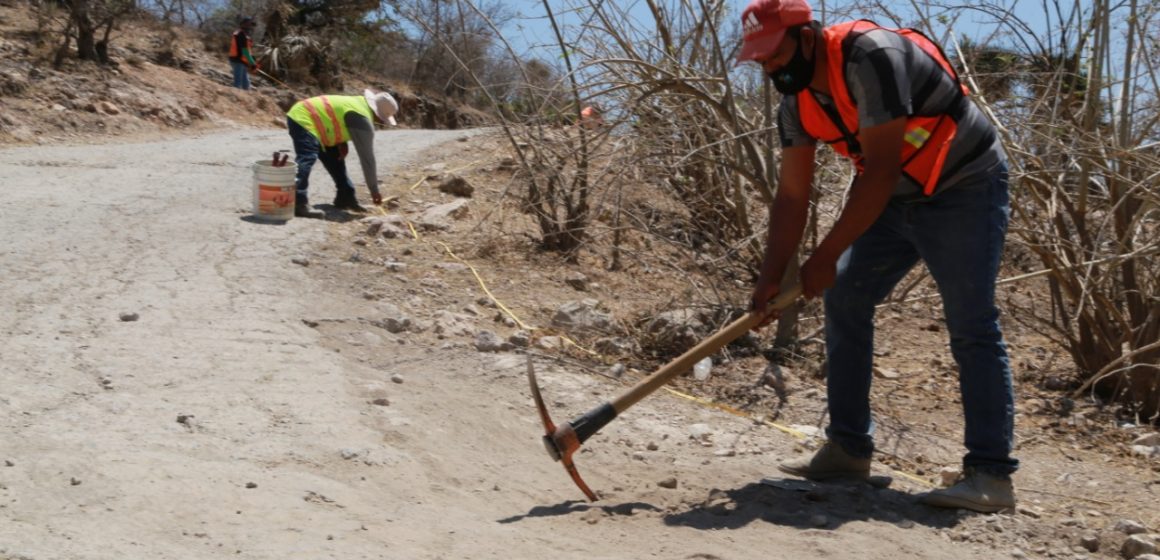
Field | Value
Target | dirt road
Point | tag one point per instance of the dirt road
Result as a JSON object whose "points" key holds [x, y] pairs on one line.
{"points": [[236, 416]]}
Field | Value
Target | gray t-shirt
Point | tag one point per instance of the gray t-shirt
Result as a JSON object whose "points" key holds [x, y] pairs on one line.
{"points": [[889, 76]]}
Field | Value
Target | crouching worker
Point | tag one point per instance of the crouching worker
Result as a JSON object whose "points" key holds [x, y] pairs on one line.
{"points": [[322, 128]]}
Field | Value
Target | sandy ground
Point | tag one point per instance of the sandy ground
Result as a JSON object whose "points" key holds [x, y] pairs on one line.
{"points": [[237, 416]]}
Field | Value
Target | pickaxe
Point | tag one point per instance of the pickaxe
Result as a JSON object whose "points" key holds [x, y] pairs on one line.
{"points": [[273, 79], [562, 441]]}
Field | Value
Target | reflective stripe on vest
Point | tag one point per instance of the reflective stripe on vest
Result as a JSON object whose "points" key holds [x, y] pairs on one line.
{"points": [[325, 116], [335, 137], [926, 140]]}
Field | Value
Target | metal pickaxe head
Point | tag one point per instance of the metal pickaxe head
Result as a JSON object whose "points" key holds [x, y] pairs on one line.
{"points": [[563, 441]]}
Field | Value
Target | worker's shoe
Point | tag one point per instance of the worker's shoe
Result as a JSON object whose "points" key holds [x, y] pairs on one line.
{"points": [[977, 491], [348, 203], [305, 211], [830, 462]]}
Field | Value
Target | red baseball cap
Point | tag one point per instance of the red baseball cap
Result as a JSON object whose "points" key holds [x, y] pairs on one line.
{"points": [[764, 23]]}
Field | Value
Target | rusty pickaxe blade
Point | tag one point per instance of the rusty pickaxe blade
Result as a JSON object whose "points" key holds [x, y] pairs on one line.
{"points": [[563, 441], [560, 442]]}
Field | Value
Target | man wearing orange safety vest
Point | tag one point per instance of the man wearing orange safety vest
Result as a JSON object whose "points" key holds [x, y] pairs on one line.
{"points": [[321, 128], [930, 185], [241, 59]]}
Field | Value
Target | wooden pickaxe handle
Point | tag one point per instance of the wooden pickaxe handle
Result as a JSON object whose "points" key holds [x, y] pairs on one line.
{"points": [[705, 348], [564, 440]]}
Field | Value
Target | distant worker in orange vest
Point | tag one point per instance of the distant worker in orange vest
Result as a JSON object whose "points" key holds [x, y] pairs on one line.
{"points": [[321, 128], [241, 57], [590, 117], [930, 184]]}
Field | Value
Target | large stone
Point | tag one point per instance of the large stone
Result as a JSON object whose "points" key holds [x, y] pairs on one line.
{"points": [[676, 329], [394, 320], [458, 186], [487, 341], [1130, 527], [520, 339], [582, 315], [12, 83], [1151, 440], [577, 280], [452, 324], [1136, 546], [616, 346], [439, 218], [390, 226]]}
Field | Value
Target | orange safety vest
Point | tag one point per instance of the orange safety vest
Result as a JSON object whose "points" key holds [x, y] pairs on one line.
{"points": [[927, 139], [234, 45]]}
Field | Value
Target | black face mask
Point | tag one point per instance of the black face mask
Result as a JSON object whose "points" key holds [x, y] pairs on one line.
{"points": [[796, 75]]}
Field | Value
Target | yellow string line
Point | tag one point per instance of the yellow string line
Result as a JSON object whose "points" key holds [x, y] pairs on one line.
{"points": [[510, 313], [416, 185], [706, 402], [913, 478], [701, 401], [483, 285], [465, 166], [801, 436], [573, 343]]}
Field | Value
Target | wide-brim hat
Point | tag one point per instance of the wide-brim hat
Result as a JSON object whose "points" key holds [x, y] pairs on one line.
{"points": [[383, 105]]}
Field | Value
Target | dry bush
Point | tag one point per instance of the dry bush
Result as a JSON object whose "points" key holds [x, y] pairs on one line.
{"points": [[1076, 105], [1081, 134]]}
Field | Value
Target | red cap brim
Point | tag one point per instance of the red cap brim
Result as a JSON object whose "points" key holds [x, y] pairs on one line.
{"points": [[759, 48]]}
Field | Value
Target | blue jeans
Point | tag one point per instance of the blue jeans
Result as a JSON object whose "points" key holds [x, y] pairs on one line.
{"points": [[241, 74], [959, 235], [307, 150]]}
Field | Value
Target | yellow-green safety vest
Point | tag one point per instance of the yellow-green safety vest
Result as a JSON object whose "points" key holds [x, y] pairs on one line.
{"points": [[325, 116]]}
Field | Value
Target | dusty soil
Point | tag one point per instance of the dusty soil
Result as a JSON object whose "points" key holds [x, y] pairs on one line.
{"points": [[257, 406], [184, 381]]}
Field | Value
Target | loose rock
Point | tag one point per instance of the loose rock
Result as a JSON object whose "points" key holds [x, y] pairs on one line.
{"points": [[487, 341], [458, 186], [1136, 546], [578, 281], [616, 371], [520, 339], [1130, 527]]}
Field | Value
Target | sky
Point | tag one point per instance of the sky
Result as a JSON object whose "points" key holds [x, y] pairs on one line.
{"points": [[530, 28]]}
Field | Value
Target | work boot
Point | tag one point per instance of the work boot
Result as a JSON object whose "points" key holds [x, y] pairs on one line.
{"points": [[977, 491], [348, 203], [305, 211], [830, 462]]}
